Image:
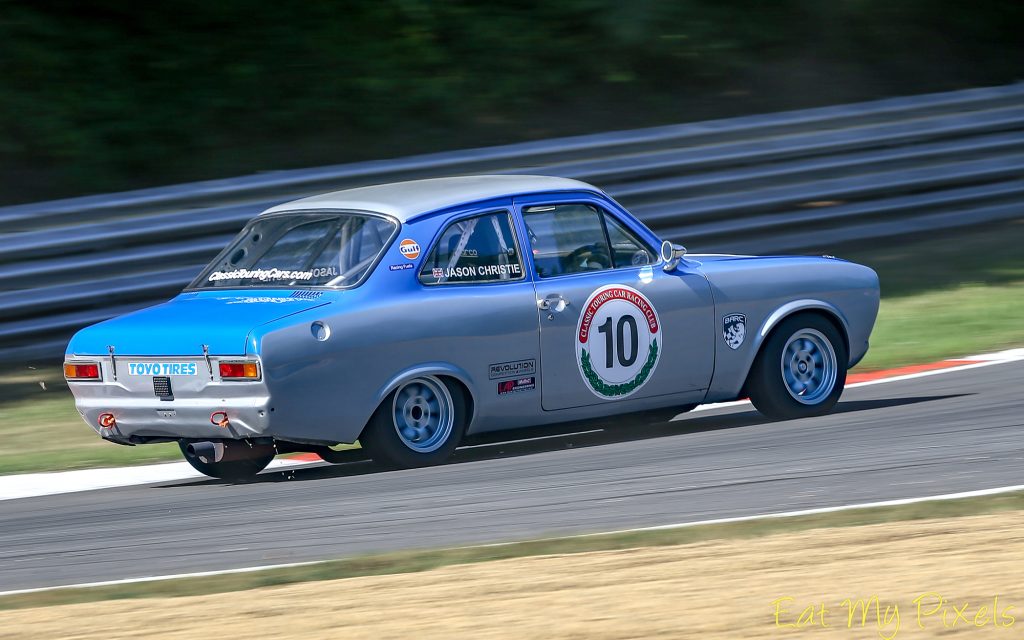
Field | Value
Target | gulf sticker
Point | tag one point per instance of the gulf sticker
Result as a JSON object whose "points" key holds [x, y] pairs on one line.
{"points": [[617, 341], [409, 248]]}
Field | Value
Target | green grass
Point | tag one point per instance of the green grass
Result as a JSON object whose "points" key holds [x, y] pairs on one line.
{"points": [[942, 297], [42, 431], [416, 561], [955, 322], [948, 295]]}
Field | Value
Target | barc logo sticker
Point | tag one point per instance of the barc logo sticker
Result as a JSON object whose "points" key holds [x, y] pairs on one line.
{"points": [[734, 329]]}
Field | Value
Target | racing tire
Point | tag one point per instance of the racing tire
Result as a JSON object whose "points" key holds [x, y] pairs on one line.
{"points": [[232, 470], [801, 369], [418, 424]]}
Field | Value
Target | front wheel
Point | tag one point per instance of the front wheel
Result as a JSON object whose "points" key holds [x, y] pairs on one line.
{"points": [[419, 424], [801, 370]]}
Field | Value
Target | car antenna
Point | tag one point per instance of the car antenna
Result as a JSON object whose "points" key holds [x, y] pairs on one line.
{"points": [[113, 361], [206, 354]]}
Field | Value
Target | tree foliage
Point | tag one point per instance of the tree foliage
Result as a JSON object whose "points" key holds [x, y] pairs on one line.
{"points": [[107, 95]]}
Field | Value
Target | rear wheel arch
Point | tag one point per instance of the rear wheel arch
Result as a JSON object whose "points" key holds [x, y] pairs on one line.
{"points": [[381, 444], [468, 402]]}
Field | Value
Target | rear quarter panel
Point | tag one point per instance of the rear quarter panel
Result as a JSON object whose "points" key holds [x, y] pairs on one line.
{"points": [[769, 289], [393, 328]]}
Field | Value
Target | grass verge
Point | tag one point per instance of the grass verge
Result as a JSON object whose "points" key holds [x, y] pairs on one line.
{"points": [[946, 295], [42, 431], [418, 561]]}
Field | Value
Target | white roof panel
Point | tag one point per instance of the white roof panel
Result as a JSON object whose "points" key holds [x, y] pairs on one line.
{"points": [[405, 200]]}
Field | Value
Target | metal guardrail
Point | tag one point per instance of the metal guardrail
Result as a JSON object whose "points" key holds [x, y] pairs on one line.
{"points": [[799, 180]]}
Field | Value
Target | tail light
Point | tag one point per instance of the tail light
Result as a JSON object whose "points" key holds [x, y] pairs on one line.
{"points": [[82, 371], [107, 421], [239, 370]]}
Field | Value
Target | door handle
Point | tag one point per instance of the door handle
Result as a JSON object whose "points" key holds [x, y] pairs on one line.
{"points": [[553, 302]]}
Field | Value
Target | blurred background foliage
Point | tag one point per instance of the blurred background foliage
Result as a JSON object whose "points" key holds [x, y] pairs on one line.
{"points": [[102, 96]]}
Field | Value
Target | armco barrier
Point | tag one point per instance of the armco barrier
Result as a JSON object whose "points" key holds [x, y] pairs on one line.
{"points": [[794, 181]]}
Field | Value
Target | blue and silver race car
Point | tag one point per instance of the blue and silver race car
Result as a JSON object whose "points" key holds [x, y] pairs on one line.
{"points": [[408, 315]]}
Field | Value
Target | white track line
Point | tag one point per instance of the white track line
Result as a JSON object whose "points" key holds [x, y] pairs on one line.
{"points": [[197, 574], [819, 510], [32, 485], [682, 525]]}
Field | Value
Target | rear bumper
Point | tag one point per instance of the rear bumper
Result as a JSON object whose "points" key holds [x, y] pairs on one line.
{"points": [[140, 415], [141, 419]]}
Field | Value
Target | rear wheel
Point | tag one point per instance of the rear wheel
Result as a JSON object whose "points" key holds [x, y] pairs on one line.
{"points": [[230, 470], [419, 424], [801, 370]]}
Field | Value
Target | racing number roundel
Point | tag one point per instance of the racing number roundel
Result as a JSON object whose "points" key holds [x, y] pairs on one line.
{"points": [[618, 341]]}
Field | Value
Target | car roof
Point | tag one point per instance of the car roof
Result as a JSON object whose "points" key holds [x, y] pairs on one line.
{"points": [[407, 200]]}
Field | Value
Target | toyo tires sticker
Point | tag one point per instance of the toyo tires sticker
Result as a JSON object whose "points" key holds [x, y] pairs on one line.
{"points": [[618, 341]]}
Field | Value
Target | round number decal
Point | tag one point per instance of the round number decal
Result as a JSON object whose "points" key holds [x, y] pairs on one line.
{"points": [[617, 341]]}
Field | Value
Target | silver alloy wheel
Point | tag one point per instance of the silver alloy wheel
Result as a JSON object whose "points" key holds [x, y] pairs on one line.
{"points": [[423, 414], [809, 366]]}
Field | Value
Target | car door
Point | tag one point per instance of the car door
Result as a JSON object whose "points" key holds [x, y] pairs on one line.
{"points": [[614, 326]]}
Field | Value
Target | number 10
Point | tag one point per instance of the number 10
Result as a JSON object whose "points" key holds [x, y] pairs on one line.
{"points": [[620, 341]]}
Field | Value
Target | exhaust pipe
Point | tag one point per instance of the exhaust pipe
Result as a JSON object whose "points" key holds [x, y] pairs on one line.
{"points": [[211, 452], [207, 452]]}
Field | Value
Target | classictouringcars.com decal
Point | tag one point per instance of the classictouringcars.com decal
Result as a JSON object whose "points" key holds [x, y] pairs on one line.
{"points": [[618, 341], [264, 275]]}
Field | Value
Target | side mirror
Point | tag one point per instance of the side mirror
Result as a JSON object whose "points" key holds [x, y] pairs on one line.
{"points": [[672, 254]]}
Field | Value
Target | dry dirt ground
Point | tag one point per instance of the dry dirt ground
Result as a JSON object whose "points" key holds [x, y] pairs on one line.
{"points": [[718, 589]]}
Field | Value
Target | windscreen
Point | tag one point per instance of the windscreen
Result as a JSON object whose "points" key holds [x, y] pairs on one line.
{"points": [[300, 250]]}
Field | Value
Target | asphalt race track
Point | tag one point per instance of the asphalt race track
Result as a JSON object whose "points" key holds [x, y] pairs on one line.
{"points": [[947, 433]]}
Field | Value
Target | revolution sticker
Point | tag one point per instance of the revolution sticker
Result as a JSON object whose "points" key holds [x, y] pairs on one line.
{"points": [[409, 248], [617, 341], [512, 369]]}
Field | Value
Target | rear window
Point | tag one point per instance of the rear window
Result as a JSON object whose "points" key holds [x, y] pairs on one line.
{"points": [[300, 250]]}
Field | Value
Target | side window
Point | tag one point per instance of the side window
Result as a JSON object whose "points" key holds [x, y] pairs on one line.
{"points": [[567, 238], [627, 249], [478, 249]]}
